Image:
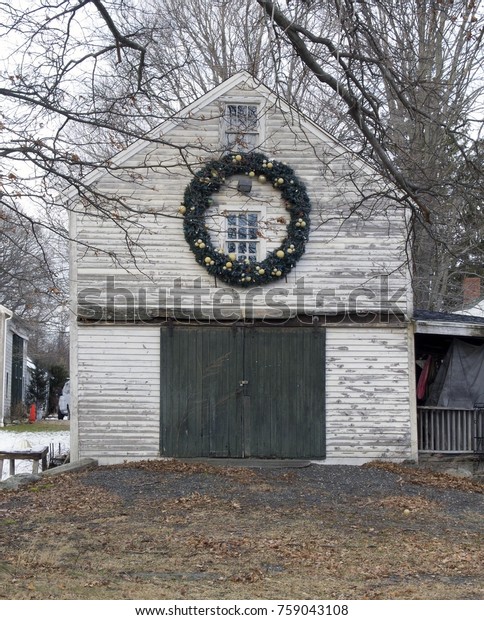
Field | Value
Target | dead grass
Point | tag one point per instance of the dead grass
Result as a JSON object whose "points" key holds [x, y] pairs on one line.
{"points": [[422, 476], [70, 540]]}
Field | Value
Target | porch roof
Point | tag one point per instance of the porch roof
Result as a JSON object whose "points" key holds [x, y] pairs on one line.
{"points": [[448, 324]]}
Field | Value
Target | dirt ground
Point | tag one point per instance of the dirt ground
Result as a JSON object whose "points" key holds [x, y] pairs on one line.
{"points": [[171, 530]]}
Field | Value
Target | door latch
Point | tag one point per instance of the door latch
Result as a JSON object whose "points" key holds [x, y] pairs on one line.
{"points": [[243, 382]]}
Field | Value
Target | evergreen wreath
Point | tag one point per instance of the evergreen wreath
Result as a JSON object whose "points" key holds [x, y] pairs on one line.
{"points": [[197, 199]]}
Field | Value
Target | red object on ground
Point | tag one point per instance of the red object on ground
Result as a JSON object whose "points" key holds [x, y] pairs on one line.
{"points": [[32, 414]]}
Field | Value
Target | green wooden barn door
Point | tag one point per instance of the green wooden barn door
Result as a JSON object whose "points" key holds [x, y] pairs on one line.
{"points": [[199, 409], [242, 392], [285, 370]]}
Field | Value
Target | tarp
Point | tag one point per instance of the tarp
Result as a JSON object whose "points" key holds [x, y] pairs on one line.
{"points": [[459, 383]]}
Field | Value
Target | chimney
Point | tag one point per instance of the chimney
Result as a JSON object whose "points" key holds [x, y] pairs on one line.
{"points": [[471, 290]]}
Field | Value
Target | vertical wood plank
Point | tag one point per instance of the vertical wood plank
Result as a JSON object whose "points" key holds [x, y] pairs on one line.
{"points": [[285, 368], [199, 411]]}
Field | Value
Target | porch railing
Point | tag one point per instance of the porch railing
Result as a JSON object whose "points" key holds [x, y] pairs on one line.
{"points": [[454, 431]]}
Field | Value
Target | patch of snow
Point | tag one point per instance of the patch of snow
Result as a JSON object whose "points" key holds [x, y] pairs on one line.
{"points": [[10, 440], [477, 310]]}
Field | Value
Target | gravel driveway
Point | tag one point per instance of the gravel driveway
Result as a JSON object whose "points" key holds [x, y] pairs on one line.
{"points": [[168, 530], [309, 486]]}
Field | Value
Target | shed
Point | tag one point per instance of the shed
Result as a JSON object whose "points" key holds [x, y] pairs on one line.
{"points": [[242, 291], [450, 383]]}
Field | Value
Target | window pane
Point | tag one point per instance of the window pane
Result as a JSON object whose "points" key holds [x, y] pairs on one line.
{"points": [[241, 228], [241, 127], [247, 117], [243, 117], [251, 117], [232, 116]]}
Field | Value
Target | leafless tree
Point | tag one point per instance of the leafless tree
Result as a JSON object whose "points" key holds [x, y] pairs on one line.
{"points": [[54, 55], [193, 46], [409, 75], [33, 271], [405, 75]]}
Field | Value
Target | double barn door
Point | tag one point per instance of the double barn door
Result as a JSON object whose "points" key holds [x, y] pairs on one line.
{"points": [[242, 391]]}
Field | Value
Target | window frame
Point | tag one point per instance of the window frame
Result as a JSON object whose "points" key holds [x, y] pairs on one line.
{"points": [[260, 241], [225, 130], [238, 240]]}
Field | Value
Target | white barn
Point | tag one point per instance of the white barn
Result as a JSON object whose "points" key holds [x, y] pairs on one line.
{"points": [[240, 305]]}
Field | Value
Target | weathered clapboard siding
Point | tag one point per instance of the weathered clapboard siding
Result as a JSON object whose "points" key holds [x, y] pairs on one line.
{"points": [[343, 254], [368, 394], [118, 384]]}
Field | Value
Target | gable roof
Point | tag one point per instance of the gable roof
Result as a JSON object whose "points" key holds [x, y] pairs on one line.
{"points": [[6, 311], [242, 77]]}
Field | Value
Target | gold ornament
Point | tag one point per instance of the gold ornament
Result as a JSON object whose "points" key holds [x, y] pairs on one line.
{"points": [[269, 165], [280, 254], [182, 209], [232, 256], [252, 173], [238, 158], [280, 181], [262, 178]]}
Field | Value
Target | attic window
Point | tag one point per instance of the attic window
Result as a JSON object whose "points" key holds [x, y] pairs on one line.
{"points": [[241, 127]]}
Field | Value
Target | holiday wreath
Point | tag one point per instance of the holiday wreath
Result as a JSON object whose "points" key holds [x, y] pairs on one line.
{"points": [[198, 198]]}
